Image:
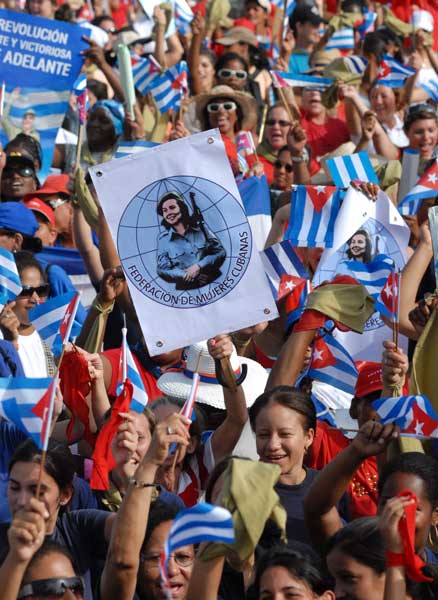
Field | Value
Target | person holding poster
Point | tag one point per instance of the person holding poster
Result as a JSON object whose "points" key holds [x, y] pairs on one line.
{"points": [[189, 254]]}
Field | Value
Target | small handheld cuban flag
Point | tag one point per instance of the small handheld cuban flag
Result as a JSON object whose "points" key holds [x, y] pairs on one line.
{"points": [[298, 291], [429, 83], [126, 148], [254, 192], [312, 215], [332, 364], [81, 93], [345, 169], [426, 187], [283, 79], [28, 404], [169, 88], [144, 72], [413, 414], [387, 302], [342, 39], [280, 263], [201, 523], [392, 73], [373, 275], [129, 371], [367, 25], [10, 284], [48, 316], [183, 16]]}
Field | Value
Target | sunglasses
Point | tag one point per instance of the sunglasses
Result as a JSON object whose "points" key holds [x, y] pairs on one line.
{"points": [[228, 73], [22, 171], [181, 559], [272, 122], [423, 106], [52, 587], [278, 164], [56, 202], [28, 291], [215, 107]]}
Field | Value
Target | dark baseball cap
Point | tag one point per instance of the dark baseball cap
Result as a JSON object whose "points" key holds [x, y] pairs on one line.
{"points": [[306, 14], [15, 217], [19, 156]]}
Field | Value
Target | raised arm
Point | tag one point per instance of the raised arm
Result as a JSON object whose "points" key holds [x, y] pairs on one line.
{"points": [[198, 33]]}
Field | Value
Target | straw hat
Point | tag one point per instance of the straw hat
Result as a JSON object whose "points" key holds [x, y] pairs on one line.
{"points": [[178, 383], [246, 102]]}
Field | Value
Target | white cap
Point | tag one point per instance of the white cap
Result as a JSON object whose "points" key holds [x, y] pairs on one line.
{"points": [[422, 19]]}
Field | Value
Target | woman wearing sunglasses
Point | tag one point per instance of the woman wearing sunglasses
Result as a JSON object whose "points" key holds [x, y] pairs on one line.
{"points": [[36, 358]]}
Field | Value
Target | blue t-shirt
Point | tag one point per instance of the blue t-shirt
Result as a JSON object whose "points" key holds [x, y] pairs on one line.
{"points": [[299, 62]]}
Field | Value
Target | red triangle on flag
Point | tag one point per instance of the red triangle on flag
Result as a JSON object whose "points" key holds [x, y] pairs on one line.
{"points": [[422, 423], [41, 410], [288, 283], [319, 194], [384, 69], [430, 177], [322, 356], [180, 82]]}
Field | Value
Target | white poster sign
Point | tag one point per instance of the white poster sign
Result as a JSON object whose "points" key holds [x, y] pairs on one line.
{"points": [[184, 242], [364, 230]]}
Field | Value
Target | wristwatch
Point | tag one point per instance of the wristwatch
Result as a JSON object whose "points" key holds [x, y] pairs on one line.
{"points": [[302, 157]]}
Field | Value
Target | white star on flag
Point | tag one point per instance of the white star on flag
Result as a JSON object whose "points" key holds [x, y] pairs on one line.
{"points": [[66, 317], [317, 354], [387, 290], [419, 428], [320, 189], [432, 178], [290, 285]]}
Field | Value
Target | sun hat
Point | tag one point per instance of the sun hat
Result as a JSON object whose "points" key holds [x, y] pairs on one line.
{"points": [[246, 102], [54, 184], [178, 383], [422, 19], [369, 379], [263, 3], [238, 34], [39, 206]]}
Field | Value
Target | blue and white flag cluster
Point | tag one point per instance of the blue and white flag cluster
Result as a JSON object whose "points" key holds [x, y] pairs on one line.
{"points": [[10, 284], [344, 169]]}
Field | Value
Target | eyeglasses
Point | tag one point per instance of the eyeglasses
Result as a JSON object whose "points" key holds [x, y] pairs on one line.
{"points": [[22, 171], [215, 107], [56, 202], [52, 587], [28, 291], [182, 559], [228, 73], [272, 122], [278, 164]]}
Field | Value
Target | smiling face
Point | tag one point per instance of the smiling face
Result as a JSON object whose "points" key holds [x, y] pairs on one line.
{"points": [[354, 580], [171, 212], [283, 171], [383, 102], [205, 72], [180, 567], [53, 565], [127, 462], [281, 438], [357, 246], [255, 13], [277, 127], [30, 276], [18, 179], [224, 120], [423, 136], [235, 82]]}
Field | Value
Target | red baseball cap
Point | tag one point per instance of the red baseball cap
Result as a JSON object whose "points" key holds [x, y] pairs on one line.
{"points": [[369, 379], [39, 206], [54, 184]]}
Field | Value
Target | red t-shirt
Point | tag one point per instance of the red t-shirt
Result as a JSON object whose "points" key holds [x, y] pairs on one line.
{"points": [[362, 491], [326, 137], [269, 169], [114, 356]]}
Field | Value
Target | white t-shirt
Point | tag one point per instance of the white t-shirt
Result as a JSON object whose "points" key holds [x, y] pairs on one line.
{"points": [[31, 353]]}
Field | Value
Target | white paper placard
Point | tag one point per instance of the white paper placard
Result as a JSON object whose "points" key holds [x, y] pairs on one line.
{"points": [[193, 270]]}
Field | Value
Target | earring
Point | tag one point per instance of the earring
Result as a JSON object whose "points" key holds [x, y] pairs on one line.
{"points": [[433, 538]]}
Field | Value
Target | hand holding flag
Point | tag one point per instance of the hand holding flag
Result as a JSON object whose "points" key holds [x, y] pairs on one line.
{"points": [[413, 414]]}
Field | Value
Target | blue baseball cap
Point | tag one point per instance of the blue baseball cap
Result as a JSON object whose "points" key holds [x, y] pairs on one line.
{"points": [[15, 217]]}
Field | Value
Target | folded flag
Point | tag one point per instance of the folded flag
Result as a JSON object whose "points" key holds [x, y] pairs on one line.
{"points": [[283, 79], [126, 148], [413, 414], [200, 523], [426, 187], [392, 73], [144, 72], [280, 262], [297, 291], [332, 364], [373, 275], [48, 317], [81, 93], [344, 169], [342, 39], [183, 16], [256, 201], [356, 64], [169, 88], [367, 25], [313, 213], [388, 299], [10, 284], [25, 402]]}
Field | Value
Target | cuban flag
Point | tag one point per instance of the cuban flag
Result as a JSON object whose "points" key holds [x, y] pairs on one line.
{"points": [[49, 319], [271, 48], [392, 73], [281, 262], [368, 23], [10, 284], [290, 7], [429, 83], [27, 403], [332, 364], [426, 187], [144, 72], [183, 16], [297, 290], [356, 64], [373, 275], [388, 300], [81, 93], [126, 148], [169, 88], [344, 169], [200, 523], [342, 39], [283, 79], [312, 215], [139, 396], [413, 414], [245, 150], [254, 192]]}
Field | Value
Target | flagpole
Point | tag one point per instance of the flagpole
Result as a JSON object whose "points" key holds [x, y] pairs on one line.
{"points": [[47, 433], [124, 353], [79, 146], [282, 98], [396, 306], [416, 436]]}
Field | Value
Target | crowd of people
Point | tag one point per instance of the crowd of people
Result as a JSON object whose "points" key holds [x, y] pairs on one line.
{"points": [[321, 510]]}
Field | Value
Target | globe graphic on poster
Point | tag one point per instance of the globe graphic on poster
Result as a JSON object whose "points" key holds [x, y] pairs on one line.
{"points": [[222, 218]]}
